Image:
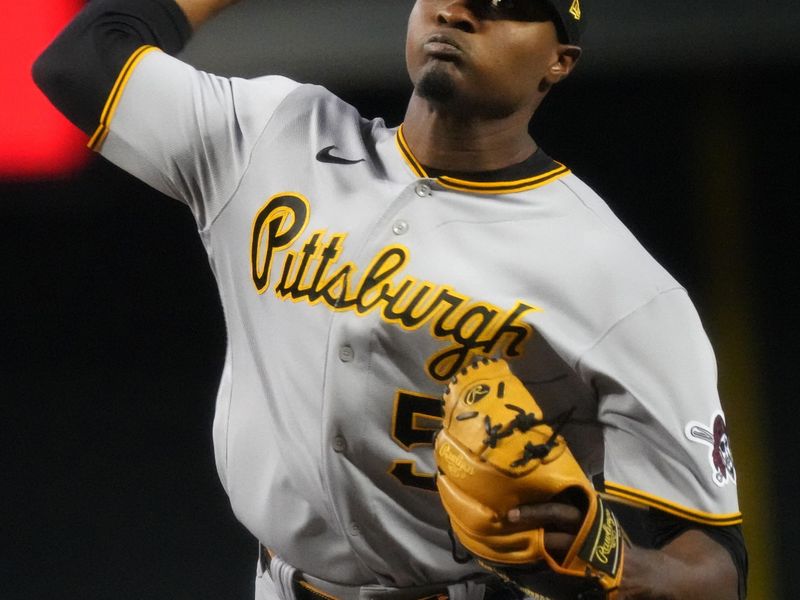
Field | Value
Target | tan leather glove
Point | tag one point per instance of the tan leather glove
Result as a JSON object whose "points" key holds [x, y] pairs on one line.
{"points": [[495, 453]]}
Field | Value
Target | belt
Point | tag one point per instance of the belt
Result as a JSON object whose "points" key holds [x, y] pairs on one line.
{"points": [[495, 589]]}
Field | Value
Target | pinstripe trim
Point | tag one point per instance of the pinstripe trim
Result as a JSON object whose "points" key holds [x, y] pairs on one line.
{"points": [[479, 187], [407, 155], [638, 497], [101, 133]]}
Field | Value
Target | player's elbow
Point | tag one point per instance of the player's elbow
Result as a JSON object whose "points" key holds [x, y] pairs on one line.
{"points": [[44, 72], [51, 74], [62, 82]]}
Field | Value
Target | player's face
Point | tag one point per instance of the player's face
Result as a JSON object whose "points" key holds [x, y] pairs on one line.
{"points": [[482, 56]]}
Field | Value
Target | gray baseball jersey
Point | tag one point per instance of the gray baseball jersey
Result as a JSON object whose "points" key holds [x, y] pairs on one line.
{"points": [[354, 285]]}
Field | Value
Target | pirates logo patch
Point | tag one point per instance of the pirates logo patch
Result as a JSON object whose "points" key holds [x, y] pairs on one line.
{"points": [[716, 438]]}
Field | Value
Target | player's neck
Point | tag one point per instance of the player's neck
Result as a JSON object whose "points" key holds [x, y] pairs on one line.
{"points": [[453, 143]]}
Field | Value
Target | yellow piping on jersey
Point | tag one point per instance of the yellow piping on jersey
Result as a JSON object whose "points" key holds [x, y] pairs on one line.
{"points": [[101, 133], [479, 187], [316, 591], [638, 497], [521, 185], [400, 139]]}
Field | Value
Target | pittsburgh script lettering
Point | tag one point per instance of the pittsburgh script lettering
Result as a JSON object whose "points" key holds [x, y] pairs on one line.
{"points": [[312, 273]]}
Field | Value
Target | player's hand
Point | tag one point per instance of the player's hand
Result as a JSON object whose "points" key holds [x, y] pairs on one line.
{"points": [[561, 522], [200, 11]]}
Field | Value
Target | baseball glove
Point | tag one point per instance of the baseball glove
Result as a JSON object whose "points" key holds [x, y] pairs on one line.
{"points": [[496, 452]]}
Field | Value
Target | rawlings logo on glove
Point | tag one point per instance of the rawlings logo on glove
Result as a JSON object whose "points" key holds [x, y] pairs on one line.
{"points": [[496, 452]]}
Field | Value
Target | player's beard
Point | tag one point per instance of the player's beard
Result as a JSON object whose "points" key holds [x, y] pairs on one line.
{"points": [[437, 86], [440, 88]]}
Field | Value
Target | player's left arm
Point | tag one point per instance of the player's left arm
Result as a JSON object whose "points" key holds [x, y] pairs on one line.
{"points": [[656, 381], [691, 566]]}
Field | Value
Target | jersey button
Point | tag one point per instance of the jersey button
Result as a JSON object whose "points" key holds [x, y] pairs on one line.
{"points": [[400, 228], [354, 530], [346, 354], [339, 444], [423, 190]]}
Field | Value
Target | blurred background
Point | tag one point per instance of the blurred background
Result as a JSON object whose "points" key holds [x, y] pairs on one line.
{"points": [[681, 115]]}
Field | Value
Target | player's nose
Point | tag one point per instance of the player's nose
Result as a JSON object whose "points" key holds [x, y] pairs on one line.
{"points": [[459, 14]]}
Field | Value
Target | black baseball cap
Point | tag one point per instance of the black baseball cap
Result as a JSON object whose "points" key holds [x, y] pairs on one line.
{"points": [[571, 19]]}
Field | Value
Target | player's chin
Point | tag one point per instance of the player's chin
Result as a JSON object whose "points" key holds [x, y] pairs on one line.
{"points": [[437, 83]]}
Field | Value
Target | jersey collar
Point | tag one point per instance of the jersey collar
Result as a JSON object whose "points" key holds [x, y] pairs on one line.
{"points": [[536, 171]]}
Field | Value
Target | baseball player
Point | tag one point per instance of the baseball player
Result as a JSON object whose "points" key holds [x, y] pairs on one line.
{"points": [[362, 267]]}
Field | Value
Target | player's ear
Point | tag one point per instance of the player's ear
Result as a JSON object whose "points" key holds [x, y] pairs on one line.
{"points": [[566, 58]]}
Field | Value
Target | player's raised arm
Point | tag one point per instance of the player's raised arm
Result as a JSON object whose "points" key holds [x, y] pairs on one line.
{"points": [[112, 74], [80, 67]]}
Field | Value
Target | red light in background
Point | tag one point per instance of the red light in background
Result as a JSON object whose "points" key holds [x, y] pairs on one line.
{"points": [[35, 140]]}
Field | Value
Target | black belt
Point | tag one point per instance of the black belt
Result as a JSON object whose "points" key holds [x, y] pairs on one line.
{"points": [[495, 588]]}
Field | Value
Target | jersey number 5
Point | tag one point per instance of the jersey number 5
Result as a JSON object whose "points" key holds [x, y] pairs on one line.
{"points": [[414, 423]]}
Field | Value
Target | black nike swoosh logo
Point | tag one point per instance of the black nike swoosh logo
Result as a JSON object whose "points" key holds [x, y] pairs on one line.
{"points": [[325, 156]]}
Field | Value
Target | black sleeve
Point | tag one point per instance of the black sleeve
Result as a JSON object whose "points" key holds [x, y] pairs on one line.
{"points": [[653, 528], [78, 70]]}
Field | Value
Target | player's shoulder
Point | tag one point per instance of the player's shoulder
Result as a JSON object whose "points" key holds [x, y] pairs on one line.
{"points": [[266, 84], [252, 99], [311, 113], [313, 101], [610, 247], [593, 205]]}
